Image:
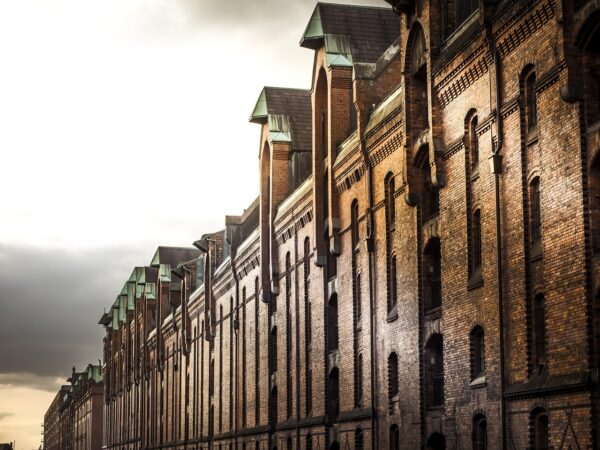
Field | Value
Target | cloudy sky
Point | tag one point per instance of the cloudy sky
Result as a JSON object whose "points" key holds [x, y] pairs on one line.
{"points": [[123, 126]]}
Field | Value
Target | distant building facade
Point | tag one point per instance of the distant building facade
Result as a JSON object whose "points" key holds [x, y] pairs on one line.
{"points": [[74, 420], [420, 269]]}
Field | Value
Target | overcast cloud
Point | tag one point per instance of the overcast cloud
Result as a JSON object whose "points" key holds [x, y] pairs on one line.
{"points": [[124, 126]]}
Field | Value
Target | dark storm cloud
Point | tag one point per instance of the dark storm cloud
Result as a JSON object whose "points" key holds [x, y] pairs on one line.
{"points": [[51, 301]]}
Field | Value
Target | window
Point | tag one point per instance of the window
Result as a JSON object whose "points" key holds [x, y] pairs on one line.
{"points": [[536, 211], [309, 443], [476, 244], [394, 437], [434, 371], [359, 381], [539, 330], [358, 296], [289, 443], [332, 324], [333, 401], [433, 275], [539, 430], [393, 284], [530, 103], [359, 440], [354, 224], [473, 145], [390, 206], [307, 329], [464, 9], [477, 353], [479, 432], [393, 383]]}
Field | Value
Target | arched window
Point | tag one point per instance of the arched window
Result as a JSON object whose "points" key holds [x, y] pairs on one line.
{"points": [[309, 442], [539, 330], [354, 224], [589, 43], [393, 383], [433, 275], [530, 102], [394, 437], [434, 371], [358, 297], [535, 211], [390, 218], [477, 353], [288, 334], [479, 432], [307, 328], [359, 440], [332, 324], [539, 429]]}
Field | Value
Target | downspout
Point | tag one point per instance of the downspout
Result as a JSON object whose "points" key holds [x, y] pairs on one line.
{"points": [[496, 169], [370, 241], [237, 343]]}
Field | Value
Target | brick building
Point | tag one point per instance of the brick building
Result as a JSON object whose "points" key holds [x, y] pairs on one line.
{"points": [[420, 268], [74, 419]]}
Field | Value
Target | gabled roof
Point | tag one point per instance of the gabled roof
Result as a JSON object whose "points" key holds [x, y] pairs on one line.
{"points": [[289, 114], [174, 255], [351, 33]]}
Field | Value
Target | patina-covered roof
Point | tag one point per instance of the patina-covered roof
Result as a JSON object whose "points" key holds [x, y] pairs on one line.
{"points": [[351, 33], [289, 114]]}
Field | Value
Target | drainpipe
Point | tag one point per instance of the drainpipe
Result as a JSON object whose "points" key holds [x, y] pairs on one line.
{"points": [[496, 169], [237, 343], [370, 241]]}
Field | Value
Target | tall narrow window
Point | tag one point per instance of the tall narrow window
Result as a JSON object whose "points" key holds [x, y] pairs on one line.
{"points": [[221, 324], [539, 329], [433, 275], [434, 371], [354, 224], [332, 324], [333, 401], [476, 245], [359, 380], [539, 430], [358, 303], [530, 102], [477, 353], [479, 432], [394, 437], [231, 315], [473, 145], [393, 381], [359, 440], [309, 442], [390, 206], [536, 211], [390, 220]]}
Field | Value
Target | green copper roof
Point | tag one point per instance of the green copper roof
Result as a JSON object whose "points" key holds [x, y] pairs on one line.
{"points": [[338, 50], [314, 29], [150, 291], [165, 273], [279, 128], [130, 296], [260, 109]]}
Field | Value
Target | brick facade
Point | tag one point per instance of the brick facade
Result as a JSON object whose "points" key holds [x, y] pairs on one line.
{"points": [[420, 268]]}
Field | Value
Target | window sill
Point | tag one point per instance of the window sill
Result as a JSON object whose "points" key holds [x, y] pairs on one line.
{"points": [[532, 135], [392, 315], [475, 280], [478, 382], [536, 253]]}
